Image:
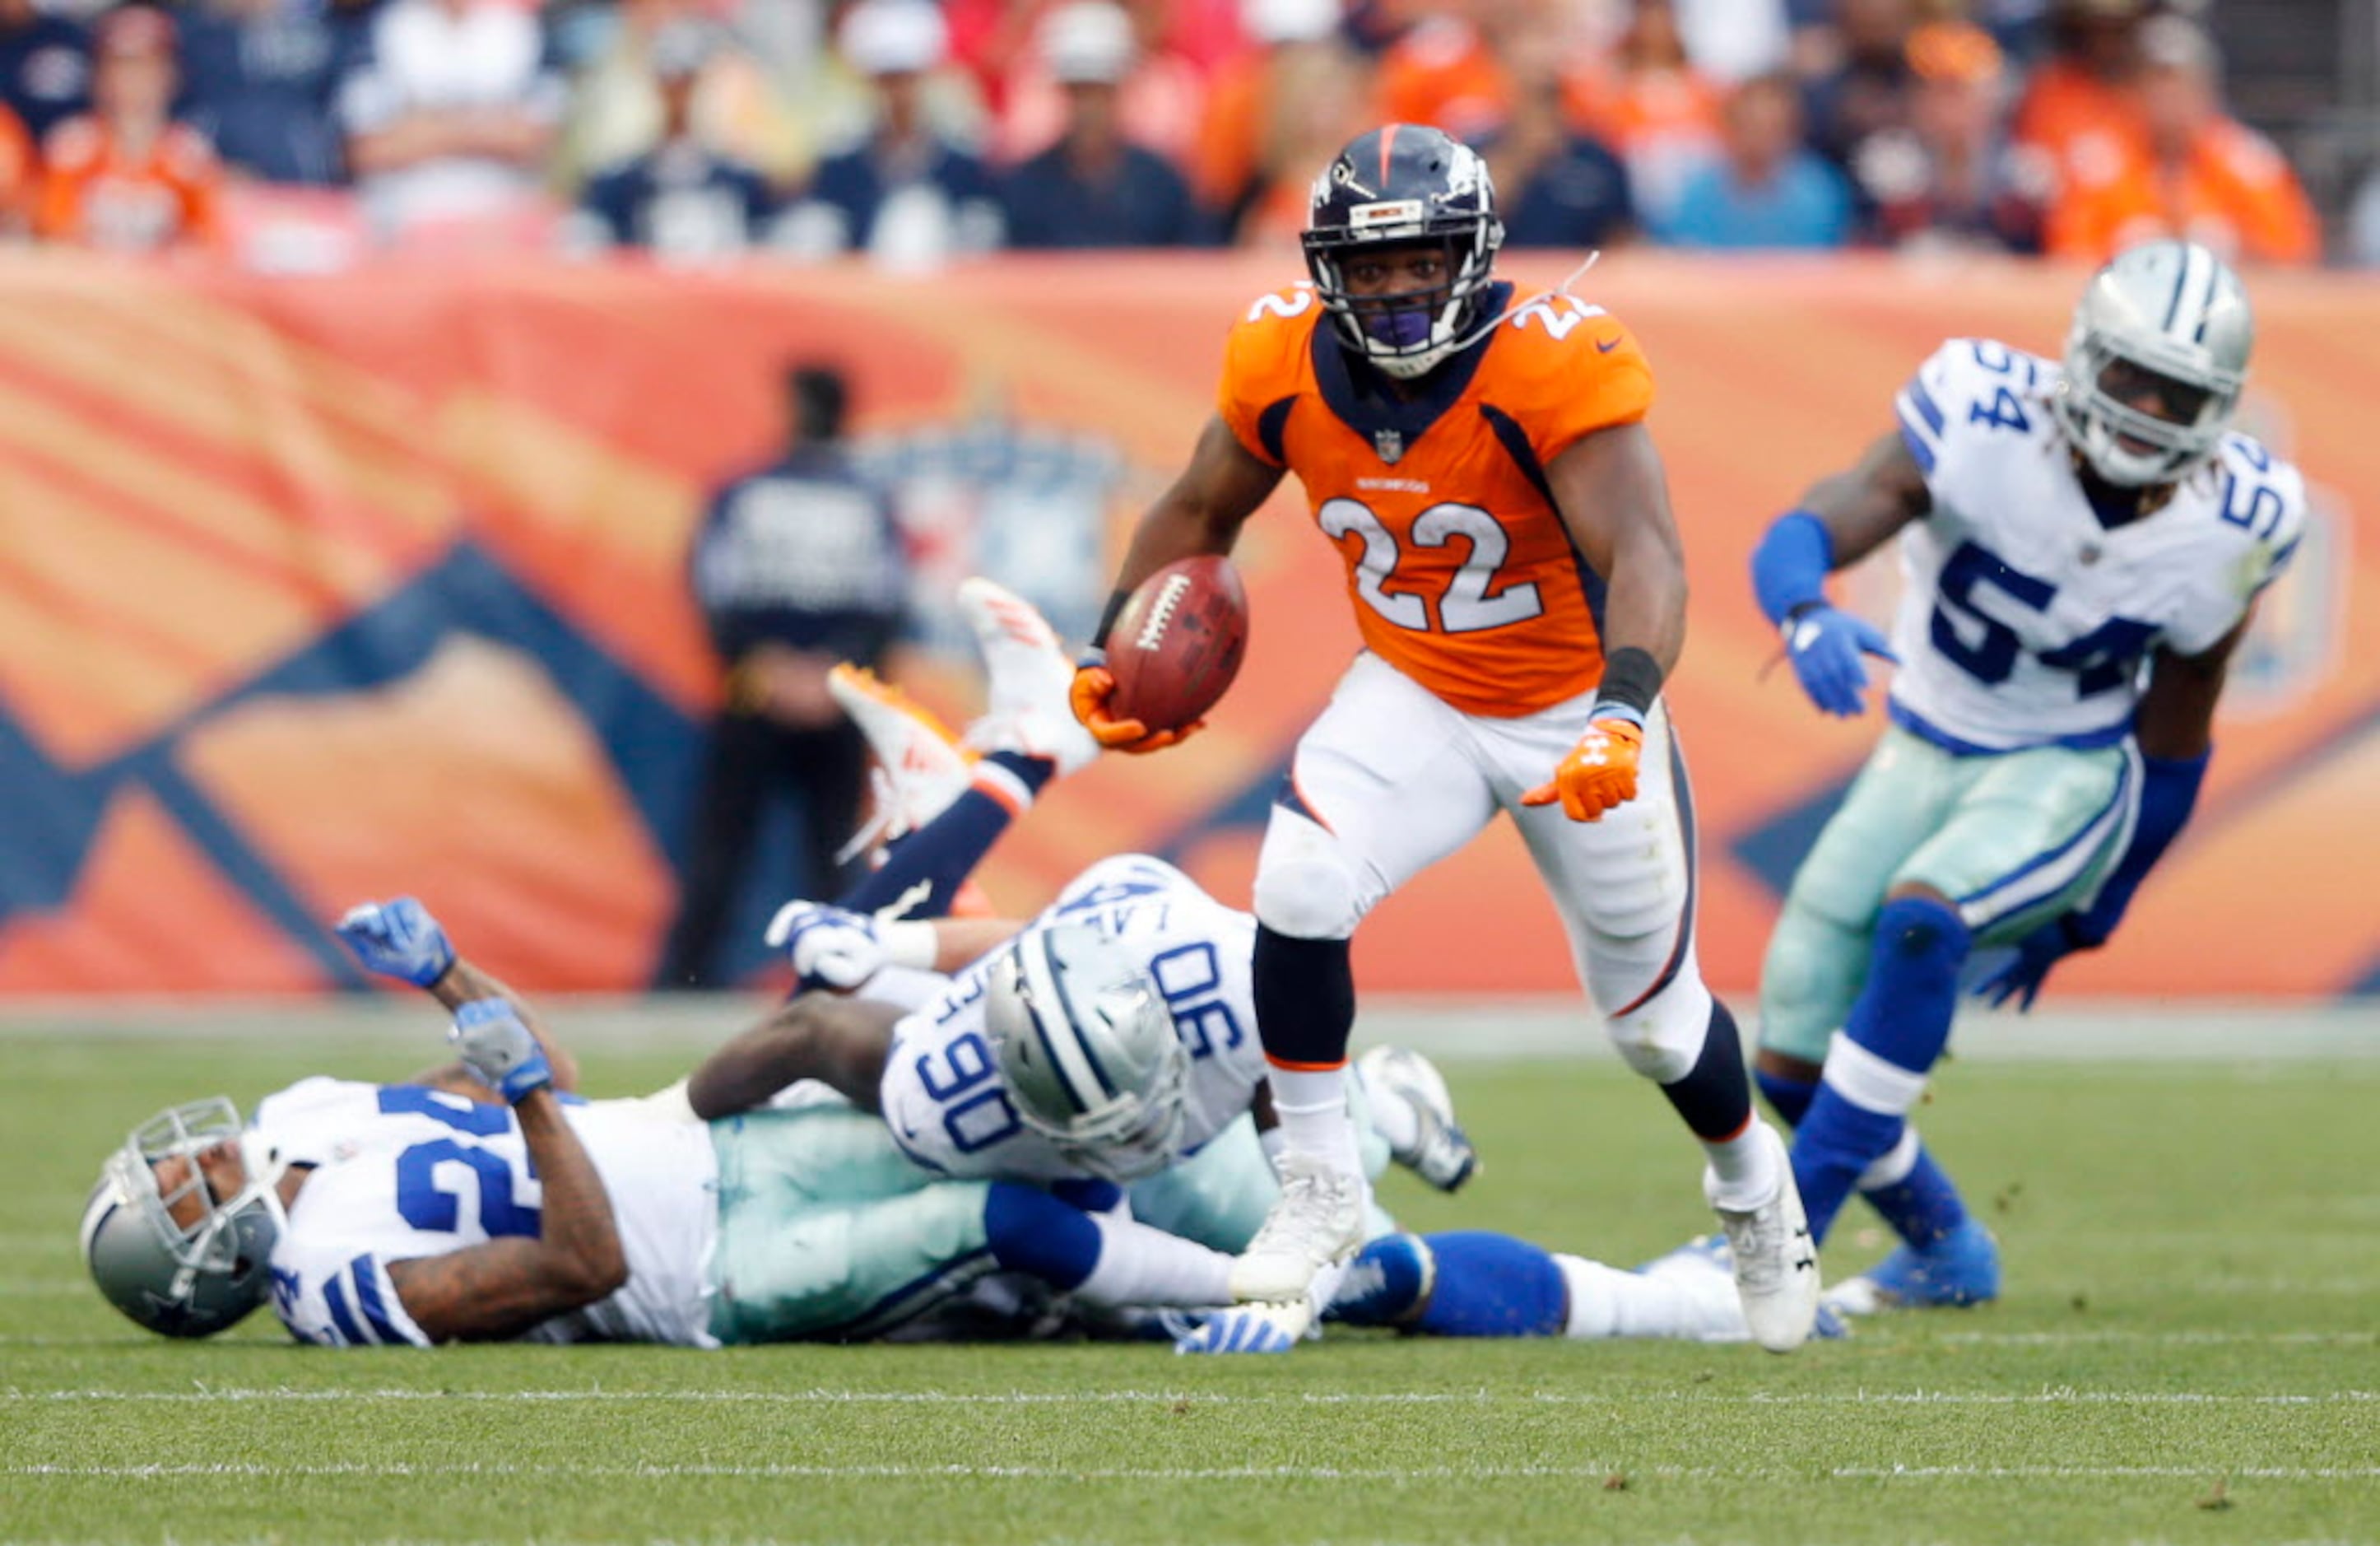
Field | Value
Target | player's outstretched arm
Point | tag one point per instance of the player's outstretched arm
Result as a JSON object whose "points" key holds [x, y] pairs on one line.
{"points": [[1201, 513], [1840, 520], [1614, 497], [841, 1042], [2174, 728], [502, 1287], [400, 939]]}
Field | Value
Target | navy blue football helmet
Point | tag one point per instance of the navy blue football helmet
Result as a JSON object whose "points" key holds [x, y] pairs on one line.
{"points": [[1393, 187]]}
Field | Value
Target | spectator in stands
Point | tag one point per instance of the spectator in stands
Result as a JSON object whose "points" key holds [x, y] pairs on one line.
{"points": [[44, 66], [1305, 95], [795, 567], [2199, 173], [1248, 93], [2079, 107], [1651, 106], [681, 201], [126, 177], [1449, 69], [450, 115], [905, 192], [1160, 101], [1731, 41], [1764, 190], [616, 110], [1094, 188], [1556, 186], [258, 78], [1867, 89], [1951, 179]]}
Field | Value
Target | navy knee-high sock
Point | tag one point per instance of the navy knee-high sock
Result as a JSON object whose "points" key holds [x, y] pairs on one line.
{"points": [[1876, 1069], [1922, 1207], [924, 870]]}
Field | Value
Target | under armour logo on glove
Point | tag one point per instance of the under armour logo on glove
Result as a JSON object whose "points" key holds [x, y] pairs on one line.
{"points": [[1599, 773]]}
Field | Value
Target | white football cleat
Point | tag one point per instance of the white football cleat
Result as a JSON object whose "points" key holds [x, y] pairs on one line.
{"points": [[921, 767], [1031, 676], [1775, 1261], [1315, 1227], [1442, 1155]]}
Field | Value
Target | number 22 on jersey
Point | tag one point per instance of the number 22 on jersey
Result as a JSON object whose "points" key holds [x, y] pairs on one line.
{"points": [[1471, 600]]}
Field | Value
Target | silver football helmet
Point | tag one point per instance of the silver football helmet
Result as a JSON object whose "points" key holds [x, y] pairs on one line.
{"points": [[2169, 310], [184, 1281], [1088, 1051]]}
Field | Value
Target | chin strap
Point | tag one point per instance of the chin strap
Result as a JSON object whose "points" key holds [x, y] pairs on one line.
{"points": [[1500, 319]]}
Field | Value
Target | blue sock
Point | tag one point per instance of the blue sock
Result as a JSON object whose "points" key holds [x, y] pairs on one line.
{"points": [[1494, 1286], [1903, 1018], [1922, 1206], [1788, 1098], [1031, 1232], [925, 869]]}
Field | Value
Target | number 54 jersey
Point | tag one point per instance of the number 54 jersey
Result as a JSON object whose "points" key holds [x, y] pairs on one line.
{"points": [[944, 1098], [2023, 620], [1461, 572], [402, 1171]]}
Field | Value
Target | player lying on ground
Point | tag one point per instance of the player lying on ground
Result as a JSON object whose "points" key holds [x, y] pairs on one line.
{"points": [[2083, 545], [428, 1212], [1482, 463], [481, 1201]]}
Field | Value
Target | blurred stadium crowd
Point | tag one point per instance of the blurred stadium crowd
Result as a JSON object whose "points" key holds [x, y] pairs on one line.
{"points": [[297, 134]]}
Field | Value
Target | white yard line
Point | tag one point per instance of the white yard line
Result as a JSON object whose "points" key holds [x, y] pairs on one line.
{"points": [[2056, 1396], [394, 1469]]}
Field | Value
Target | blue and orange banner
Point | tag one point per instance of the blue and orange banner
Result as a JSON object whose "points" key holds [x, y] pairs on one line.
{"points": [[318, 589]]}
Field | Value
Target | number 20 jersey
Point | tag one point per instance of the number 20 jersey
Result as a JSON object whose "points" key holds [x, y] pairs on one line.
{"points": [[942, 1097], [402, 1171], [1461, 573], [2023, 621]]}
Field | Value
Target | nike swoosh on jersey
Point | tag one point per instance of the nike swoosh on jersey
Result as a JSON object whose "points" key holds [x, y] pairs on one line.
{"points": [[1605, 346]]}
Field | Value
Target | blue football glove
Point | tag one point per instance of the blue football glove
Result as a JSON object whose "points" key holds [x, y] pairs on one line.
{"points": [[398, 938], [496, 1044], [830, 947], [1825, 644], [2022, 979], [1243, 1329]]}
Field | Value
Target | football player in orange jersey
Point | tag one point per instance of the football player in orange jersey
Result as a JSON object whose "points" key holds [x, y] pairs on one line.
{"points": [[1484, 470]]}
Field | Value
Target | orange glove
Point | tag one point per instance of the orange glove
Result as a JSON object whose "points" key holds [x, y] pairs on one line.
{"points": [[1599, 773], [1093, 683]]}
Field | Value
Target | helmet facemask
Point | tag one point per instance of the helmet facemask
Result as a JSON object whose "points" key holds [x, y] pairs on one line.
{"points": [[1450, 203], [2167, 319], [184, 1279]]}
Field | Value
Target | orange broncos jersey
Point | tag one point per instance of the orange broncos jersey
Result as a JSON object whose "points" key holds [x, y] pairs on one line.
{"points": [[1461, 573], [100, 195]]}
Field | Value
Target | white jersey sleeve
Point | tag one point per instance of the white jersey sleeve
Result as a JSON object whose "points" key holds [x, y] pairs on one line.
{"points": [[942, 1093], [421, 1173], [2025, 619]]}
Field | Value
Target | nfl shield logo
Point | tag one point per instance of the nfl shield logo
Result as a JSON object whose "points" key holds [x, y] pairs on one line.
{"points": [[1390, 443]]}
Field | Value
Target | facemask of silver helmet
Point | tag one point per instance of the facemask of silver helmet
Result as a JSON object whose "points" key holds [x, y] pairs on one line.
{"points": [[1088, 1051], [2169, 316], [188, 1281]]}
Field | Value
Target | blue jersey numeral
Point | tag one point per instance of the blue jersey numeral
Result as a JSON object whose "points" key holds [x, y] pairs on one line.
{"points": [[975, 1110], [464, 1117], [2003, 412], [1986, 649], [2255, 508], [423, 1204], [1189, 977]]}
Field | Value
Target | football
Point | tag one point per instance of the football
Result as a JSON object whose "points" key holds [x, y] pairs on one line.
{"points": [[1177, 644]]}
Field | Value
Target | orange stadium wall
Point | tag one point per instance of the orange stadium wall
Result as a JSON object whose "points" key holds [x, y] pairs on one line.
{"points": [[315, 589]]}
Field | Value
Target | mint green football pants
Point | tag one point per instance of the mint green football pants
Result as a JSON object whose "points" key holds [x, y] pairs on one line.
{"points": [[2013, 839]]}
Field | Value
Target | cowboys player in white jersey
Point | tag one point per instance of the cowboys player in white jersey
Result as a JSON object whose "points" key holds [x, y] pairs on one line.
{"points": [[483, 1201], [2082, 544]]}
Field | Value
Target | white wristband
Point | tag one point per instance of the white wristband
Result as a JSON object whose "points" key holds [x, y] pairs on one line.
{"points": [[912, 942]]}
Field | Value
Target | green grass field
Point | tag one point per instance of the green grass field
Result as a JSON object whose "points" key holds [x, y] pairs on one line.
{"points": [[2186, 1353]]}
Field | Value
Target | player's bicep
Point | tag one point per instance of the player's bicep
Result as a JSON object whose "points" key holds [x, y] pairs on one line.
{"points": [[1225, 482], [1875, 497], [1613, 495], [486, 1293]]}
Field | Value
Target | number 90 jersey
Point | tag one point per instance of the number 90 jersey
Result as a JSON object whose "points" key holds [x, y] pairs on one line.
{"points": [[402, 1170], [1461, 573], [942, 1097], [2023, 621]]}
